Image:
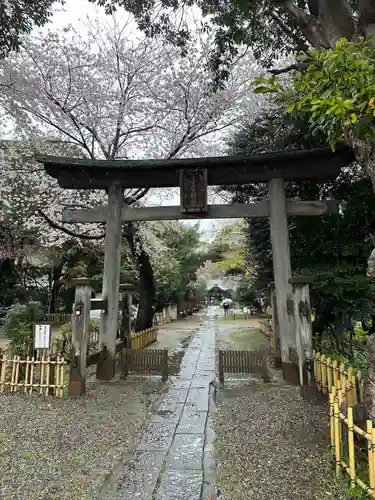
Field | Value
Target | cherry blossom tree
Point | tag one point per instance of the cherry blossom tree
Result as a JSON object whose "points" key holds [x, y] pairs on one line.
{"points": [[96, 91]]}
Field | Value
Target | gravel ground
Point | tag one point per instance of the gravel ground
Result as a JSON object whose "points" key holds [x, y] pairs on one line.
{"points": [[272, 445], [65, 448], [176, 337]]}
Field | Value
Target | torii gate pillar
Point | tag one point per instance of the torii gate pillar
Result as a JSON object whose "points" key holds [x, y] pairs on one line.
{"points": [[282, 275], [111, 283]]}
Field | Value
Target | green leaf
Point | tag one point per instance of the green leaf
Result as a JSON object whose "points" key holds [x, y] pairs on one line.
{"points": [[263, 89]]}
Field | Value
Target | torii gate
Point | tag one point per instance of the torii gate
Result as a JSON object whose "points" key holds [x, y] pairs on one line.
{"points": [[193, 176]]}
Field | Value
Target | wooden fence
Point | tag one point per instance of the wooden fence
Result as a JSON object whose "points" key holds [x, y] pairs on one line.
{"points": [[345, 390], [253, 361], [44, 376], [140, 340], [58, 318], [145, 361]]}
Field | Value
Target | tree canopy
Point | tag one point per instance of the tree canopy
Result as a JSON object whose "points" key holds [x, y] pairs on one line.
{"points": [[332, 249], [18, 18], [269, 27]]}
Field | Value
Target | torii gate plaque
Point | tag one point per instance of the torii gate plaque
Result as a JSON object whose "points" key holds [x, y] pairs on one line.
{"points": [[193, 191], [193, 175]]}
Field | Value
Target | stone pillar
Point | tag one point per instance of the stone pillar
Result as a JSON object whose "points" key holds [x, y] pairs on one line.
{"points": [[282, 274], [130, 312], [127, 290], [80, 333], [275, 328], [111, 283], [303, 326]]}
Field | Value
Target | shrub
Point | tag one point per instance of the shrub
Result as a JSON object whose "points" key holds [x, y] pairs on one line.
{"points": [[19, 327], [63, 340]]}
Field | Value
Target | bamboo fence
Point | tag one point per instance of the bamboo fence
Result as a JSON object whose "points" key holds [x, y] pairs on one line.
{"points": [[329, 374], [345, 390], [44, 375], [140, 340]]}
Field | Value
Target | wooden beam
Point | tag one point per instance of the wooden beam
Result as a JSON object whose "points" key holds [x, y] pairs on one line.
{"points": [[235, 211], [76, 173]]}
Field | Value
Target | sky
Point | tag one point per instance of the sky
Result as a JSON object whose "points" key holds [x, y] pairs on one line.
{"points": [[72, 12]]}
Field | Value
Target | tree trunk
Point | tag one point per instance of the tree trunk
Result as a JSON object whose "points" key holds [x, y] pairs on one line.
{"points": [[55, 288], [124, 328], [147, 295]]}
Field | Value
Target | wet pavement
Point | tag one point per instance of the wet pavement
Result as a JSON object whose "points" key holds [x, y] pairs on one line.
{"points": [[174, 458]]}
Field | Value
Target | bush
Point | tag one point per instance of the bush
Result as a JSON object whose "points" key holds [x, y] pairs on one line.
{"points": [[63, 341], [19, 327]]}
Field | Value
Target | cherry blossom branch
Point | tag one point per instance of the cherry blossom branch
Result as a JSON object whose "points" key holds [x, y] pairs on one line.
{"points": [[54, 225]]}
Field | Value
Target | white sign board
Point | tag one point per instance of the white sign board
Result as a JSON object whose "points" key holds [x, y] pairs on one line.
{"points": [[42, 336]]}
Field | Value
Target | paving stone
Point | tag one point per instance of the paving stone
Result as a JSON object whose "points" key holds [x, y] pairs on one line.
{"points": [[203, 366], [175, 438], [199, 382], [187, 372], [208, 375], [192, 422], [178, 395], [157, 436], [181, 384], [186, 452], [139, 483], [180, 485], [168, 414], [197, 398], [146, 460]]}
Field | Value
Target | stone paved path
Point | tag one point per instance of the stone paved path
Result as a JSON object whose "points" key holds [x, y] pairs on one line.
{"points": [[174, 459]]}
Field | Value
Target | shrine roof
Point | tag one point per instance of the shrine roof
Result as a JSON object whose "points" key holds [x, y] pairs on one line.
{"points": [[313, 164]]}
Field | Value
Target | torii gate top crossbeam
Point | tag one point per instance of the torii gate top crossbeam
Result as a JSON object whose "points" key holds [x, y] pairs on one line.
{"points": [[316, 164]]}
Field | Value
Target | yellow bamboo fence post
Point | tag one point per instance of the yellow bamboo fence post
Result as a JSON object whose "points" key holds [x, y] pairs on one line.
{"points": [[62, 375], [31, 375], [317, 372], [332, 397], [329, 375], [349, 386], [335, 374], [27, 373], [13, 375], [324, 373], [56, 381], [17, 374], [348, 393], [48, 372], [3, 372], [42, 364], [337, 437], [352, 471], [372, 472], [370, 454], [339, 402]]}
